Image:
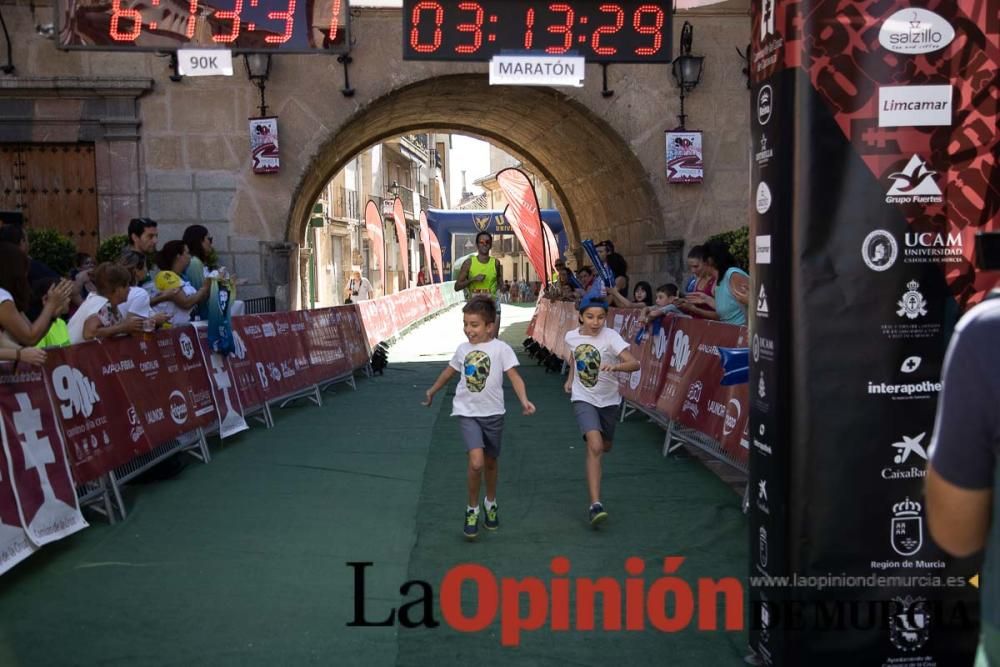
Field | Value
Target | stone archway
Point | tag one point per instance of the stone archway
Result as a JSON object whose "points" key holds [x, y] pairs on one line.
{"points": [[603, 187]]}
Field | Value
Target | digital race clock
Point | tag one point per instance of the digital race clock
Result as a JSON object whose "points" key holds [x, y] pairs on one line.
{"points": [[624, 31], [240, 25]]}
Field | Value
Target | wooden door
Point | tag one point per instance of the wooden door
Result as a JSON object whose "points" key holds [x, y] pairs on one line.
{"points": [[54, 186]]}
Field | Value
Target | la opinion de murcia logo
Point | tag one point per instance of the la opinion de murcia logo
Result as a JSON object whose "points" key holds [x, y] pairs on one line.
{"points": [[912, 305]]}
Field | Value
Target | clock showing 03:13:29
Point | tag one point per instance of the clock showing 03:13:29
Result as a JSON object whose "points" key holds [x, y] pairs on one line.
{"points": [[622, 31], [291, 26]]}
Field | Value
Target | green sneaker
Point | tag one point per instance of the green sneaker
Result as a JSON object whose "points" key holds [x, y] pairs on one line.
{"points": [[492, 520], [471, 528], [597, 514]]}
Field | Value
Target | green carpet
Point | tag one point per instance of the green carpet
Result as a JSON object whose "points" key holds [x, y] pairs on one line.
{"points": [[242, 561]]}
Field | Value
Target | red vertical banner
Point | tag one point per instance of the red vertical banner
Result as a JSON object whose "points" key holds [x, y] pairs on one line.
{"points": [[376, 237], [36, 464], [400, 219], [425, 239], [524, 218], [552, 249], [436, 253]]}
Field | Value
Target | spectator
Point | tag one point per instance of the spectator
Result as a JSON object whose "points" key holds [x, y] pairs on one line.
{"points": [[732, 287], [199, 244], [58, 333], [666, 303], [700, 287], [358, 288], [173, 260], [81, 276], [642, 296], [15, 235], [98, 316], [142, 235], [137, 302], [963, 482], [617, 264], [16, 330]]}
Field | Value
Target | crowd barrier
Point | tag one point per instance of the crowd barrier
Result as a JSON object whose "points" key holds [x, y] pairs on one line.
{"points": [[678, 381], [100, 413]]}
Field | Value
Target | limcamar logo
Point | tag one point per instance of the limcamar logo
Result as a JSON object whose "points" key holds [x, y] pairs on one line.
{"points": [[668, 604]]}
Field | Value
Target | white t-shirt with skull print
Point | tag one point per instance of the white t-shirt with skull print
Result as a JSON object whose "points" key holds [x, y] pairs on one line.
{"points": [[480, 389], [590, 384]]}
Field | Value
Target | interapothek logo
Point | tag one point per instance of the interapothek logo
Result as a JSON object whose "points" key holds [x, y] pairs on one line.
{"points": [[913, 31]]}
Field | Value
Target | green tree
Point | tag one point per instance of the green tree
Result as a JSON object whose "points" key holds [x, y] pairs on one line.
{"points": [[52, 249], [111, 248], [738, 242]]}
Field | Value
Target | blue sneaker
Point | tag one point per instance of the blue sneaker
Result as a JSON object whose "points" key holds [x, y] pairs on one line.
{"points": [[471, 528], [492, 518], [597, 514]]}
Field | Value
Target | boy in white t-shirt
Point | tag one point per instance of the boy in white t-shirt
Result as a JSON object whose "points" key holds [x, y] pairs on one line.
{"points": [[479, 405], [596, 354]]}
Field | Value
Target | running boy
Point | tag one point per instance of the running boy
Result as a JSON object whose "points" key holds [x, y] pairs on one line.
{"points": [[597, 354], [479, 405]]}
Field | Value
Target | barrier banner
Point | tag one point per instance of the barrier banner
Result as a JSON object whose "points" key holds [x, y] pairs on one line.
{"points": [[654, 363], [875, 133], [246, 369], [628, 322], [275, 343], [324, 344], [353, 333], [166, 382], [14, 543], [692, 391], [35, 457], [561, 319], [102, 426], [227, 398]]}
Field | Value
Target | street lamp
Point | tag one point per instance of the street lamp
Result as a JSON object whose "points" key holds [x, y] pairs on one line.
{"points": [[393, 189], [687, 68], [258, 70]]}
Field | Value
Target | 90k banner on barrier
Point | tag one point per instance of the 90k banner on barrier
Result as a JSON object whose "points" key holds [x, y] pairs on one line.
{"points": [[875, 138]]}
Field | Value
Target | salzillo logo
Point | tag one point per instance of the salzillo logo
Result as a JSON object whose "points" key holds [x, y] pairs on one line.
{"points": [[762, 243], [912, 31], [879, 250], [76, 391], [682, 351], [912, 106], [763, 198], [914, 185], [764, 104]]}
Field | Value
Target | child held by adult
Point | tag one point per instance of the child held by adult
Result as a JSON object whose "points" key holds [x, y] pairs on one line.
{"points": [[479, 405]]}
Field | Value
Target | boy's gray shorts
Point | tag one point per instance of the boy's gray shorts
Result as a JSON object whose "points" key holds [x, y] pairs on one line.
{"points": [[592, 418], [482, 433]]}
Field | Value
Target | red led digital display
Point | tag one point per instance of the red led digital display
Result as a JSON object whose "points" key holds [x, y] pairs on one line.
{"points": [[294, 26], [626, 31]]}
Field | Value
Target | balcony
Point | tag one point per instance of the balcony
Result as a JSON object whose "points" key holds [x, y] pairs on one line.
{"points": [[345, 205]]}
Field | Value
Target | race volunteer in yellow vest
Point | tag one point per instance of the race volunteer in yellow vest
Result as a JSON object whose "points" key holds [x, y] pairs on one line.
{"points": [[481, 274]]}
